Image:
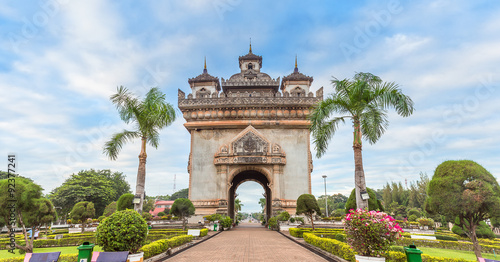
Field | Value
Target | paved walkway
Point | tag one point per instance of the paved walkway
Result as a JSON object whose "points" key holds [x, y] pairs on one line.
{"points": [[247, 242]]}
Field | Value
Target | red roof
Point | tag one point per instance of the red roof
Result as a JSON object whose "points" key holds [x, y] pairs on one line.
{"points": [[164, 202]]}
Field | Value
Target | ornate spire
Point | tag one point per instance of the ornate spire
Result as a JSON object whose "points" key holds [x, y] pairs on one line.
{"points": [[250, 50], [296, 70], [205, 67]]}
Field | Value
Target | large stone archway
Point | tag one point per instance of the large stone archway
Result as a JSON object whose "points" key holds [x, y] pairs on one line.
{"points": [[250, 175], [248, 127]]}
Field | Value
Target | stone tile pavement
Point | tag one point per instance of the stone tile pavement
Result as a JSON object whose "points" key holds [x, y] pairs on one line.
{"points": [[247, 242]]}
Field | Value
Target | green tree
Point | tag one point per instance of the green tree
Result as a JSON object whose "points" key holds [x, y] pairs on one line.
{"points": [[466, 190], [149, 205], [110, 209], [373, 202], [149, 116], [262, 203], [82, 211], [183, 193], [96, 186], [307, 205], [32, 210], [126, 201], [182, 208], [364, 100], [237, 205]]}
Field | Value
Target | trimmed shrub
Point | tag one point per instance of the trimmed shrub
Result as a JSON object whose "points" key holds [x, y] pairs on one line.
{"points": [[482, 231], [124, 230], [203, 232], [333, 246], [412, 218], [448, 238], [273, 223], [284, 216], [414, 212], [340, 237], [162, 245], [101, 218], [161, 214], [292, 220], [373, 202], [426, 222], [126, 201], [147, 216]]}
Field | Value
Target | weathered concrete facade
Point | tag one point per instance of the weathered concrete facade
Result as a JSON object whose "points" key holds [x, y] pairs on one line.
{"points": [[255, 128]]}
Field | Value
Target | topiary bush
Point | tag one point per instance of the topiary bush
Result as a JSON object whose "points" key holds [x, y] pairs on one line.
{"points": [[126, 201], [101, 218], [412, 218], [292, 220], [147, 216], [284, 216], [124, 230], [373, 202], [482, 231], [273, 223]]}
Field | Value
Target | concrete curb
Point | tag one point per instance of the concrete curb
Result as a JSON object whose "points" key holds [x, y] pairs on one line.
{"points": [[172, 252]]}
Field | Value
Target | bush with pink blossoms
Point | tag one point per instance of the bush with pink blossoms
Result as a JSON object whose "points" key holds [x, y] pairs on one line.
{"points": [[370, 233]]}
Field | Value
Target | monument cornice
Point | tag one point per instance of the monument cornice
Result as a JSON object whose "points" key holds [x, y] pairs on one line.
{"points": [[285, 124]]}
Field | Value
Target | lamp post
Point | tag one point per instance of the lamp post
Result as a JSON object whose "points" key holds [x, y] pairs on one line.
{"points": [[326, 198]]}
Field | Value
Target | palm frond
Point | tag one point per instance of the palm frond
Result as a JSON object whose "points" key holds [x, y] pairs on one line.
{"points": [[323, 133], [153, 138], [112, 147], [125, 103], [373, 123], [389, 95]]}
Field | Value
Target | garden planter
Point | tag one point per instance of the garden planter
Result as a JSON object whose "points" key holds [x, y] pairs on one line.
{"points": [[139, 257], [369, 259]]}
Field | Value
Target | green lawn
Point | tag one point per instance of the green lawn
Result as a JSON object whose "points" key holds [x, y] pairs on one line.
{"points": [[64, 251], [450, 253]]}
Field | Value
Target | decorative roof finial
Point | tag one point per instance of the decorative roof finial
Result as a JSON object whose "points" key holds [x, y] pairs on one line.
{"points": [[250, 45], [296, 68], [205, 66]]}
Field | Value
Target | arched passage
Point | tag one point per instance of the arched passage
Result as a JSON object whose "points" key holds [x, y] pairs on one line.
{"points": [[249, 175]]}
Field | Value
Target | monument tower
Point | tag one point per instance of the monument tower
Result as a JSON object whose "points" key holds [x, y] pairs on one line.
{"points": [[249, 127]]}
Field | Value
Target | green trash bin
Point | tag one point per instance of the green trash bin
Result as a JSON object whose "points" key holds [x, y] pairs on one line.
{"points": [[413, 254], [85, 252], [215, 227]]}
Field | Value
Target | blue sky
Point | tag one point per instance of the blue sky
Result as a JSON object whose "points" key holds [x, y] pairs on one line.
{"points": [[60, 61]]}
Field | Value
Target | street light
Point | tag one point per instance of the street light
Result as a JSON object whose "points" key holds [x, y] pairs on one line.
{"points": [[326, 198]]}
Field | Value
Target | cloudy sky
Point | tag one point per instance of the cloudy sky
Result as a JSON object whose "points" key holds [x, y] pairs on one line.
{"points": [[60, 61]]}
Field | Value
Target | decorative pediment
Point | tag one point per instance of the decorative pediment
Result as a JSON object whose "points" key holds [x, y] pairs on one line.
{"points": [[250, 147]]}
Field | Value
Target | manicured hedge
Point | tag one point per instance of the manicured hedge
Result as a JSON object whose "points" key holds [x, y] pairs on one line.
{"points": [[203, 232], [344, 251], [333, 246], [457, 245], [161, 246], [74, 241], [62, 258], [298, 232]]}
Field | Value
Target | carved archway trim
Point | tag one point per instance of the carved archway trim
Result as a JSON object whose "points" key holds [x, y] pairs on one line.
{"points": [[250, 147], [266, 172]]}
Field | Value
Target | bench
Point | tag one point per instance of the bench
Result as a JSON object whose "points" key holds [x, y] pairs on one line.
{"points": [[42, 257], [109, 256]]}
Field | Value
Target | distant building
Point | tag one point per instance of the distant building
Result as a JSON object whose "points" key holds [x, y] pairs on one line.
{"points": [[160, 205]]}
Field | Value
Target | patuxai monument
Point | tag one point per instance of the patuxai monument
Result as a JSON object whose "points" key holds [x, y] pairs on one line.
{"points": [[250, 127]]}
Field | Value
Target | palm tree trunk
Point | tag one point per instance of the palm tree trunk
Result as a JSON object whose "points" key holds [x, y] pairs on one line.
{"points": [[359, 173], [141, 175]]}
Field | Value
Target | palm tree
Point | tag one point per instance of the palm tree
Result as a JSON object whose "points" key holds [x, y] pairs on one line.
{"points": [[149, 116], [262, 203], [237, 207], [364, 100]]}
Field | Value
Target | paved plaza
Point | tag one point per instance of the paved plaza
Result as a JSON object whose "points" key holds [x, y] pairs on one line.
{"points": [[247, 242]]}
